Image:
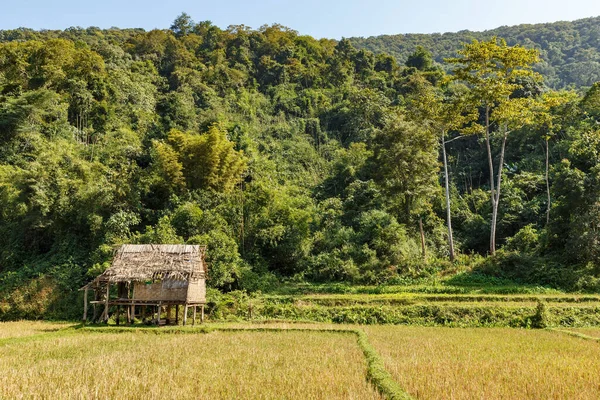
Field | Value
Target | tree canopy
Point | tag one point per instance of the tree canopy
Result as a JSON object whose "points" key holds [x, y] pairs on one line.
{"points": [[290, 157]]}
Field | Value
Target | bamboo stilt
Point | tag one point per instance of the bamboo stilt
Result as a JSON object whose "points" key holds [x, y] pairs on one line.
{"points": [[106, 302], [169, 314], [85, 304]]}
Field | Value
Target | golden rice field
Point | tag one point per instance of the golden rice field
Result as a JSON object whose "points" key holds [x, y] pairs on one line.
{"points": [[217, 365], [489, 363], [429, 363], [28, 328]]}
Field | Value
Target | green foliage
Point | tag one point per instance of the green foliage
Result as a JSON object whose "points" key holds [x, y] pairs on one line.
{"points": [[291, 158], [524, 241], [209, 161], [222, 257], [481, 312], [162, 232], [421, 59], [569, 50], [540, 318], [406, 155]]}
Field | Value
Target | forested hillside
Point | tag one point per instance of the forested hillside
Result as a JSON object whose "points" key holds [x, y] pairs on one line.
{"points": [[290, 157], [570, 51]]}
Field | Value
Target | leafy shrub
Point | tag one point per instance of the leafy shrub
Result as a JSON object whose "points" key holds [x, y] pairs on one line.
{"points": [[224, 262], [540, 318], [524, 241]]}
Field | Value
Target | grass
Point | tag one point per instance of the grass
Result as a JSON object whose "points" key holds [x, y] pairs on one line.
{"points": [[587, 334], [215, 365], [17, 329], [593, 332], [455, 285], [406, 308], [499, 363]]}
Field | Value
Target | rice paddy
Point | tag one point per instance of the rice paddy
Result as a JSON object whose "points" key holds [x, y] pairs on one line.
{"points": [[15, 329], [217, 365], [287, 360], [496, 363]]}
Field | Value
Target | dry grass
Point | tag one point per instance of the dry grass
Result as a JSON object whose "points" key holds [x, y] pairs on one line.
{"points": [[28, 328], [218, 365], [452, 363]]}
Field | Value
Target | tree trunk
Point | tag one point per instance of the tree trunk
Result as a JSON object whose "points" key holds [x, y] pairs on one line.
{"points": [[491, 167], [448, 213], [422, 239], [547, 184], [497, 197]]}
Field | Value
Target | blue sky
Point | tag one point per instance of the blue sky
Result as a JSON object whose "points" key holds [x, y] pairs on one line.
{"points": [[319, 18]]}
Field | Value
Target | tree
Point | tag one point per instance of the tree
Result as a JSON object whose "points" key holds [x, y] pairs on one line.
{"points": [[407, 159], [421, 59], [491, 70], [443, 112], [209, 160], [182, 25], [548, 120]]}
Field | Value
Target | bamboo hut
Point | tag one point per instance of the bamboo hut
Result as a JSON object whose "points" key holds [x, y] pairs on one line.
{"points": [[150, 278]]}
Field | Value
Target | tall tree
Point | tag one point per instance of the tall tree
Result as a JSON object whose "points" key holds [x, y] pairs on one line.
{"points": [[182, 25], [548, 120], [442, 112], [494, 71], [406, 155]]}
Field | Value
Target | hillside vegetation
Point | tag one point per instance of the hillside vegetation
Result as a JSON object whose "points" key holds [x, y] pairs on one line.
{"points": [[293, 159], [570, 50]]}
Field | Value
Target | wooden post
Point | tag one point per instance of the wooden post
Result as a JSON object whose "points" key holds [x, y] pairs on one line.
{"points": [[169, 314], [424, 253], [202, 314], [143, 313], [177, 314], [118, 312], [185, 311], [85, 304], [106, 302], [158, 314], [132, 314], [194, 320]]}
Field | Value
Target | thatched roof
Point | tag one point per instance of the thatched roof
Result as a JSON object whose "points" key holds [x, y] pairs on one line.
{"points": [[144, 262]]}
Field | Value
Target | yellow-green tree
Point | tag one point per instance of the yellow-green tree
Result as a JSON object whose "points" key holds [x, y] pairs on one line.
{"points": [[494, 71], [209, 160]]}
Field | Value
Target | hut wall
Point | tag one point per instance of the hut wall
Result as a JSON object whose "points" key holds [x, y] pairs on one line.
{"points": [[166, 290], [196, 292]]}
